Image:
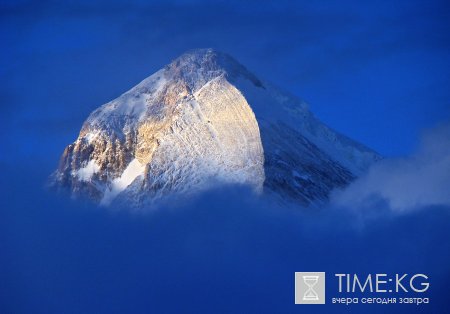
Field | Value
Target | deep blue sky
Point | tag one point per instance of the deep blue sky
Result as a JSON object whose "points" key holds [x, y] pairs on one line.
{"points": [[376, 71]]}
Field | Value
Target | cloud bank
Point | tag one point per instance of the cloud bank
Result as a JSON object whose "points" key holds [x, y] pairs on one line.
{"points": [[422, 179], [223, 252]]}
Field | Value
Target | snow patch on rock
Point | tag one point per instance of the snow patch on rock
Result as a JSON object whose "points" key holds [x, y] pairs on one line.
{"points": [[133, 170], [86, 173]]}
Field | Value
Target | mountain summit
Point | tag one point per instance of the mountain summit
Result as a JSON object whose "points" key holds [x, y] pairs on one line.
{"points": [[201, 121]]}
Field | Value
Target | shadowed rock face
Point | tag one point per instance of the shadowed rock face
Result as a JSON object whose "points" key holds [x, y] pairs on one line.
{"points": [[298, 169], [205, 120]]}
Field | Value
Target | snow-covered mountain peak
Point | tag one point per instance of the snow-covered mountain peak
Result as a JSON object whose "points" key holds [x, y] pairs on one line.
{"points": [[198, 66], [203, 120]]}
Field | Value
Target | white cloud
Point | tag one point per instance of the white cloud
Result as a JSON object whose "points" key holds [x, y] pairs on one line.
{"points": [[422, 179]]}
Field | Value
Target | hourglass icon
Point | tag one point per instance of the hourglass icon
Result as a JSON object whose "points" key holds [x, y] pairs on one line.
{"points": [[310, 294]]}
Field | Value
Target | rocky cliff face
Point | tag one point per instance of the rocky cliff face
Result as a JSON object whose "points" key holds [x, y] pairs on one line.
{"points": [[205, 120]]}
